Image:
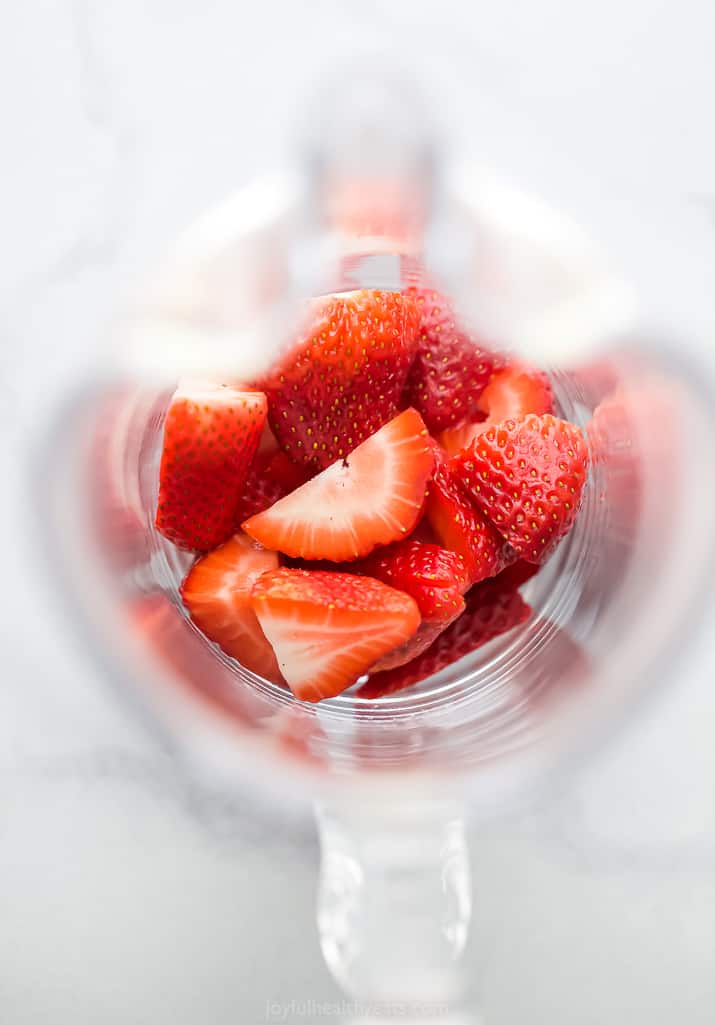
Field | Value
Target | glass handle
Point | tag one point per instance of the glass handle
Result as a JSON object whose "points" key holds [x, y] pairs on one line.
{"points": [[394, 902]]}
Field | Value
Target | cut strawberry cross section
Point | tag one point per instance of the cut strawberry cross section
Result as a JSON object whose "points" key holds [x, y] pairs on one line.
{"points": [[371, 497], [327, 629], [217, 594]]}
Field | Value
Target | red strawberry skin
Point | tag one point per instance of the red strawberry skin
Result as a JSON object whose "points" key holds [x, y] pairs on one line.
{"points": [[450, 370], [210, 438], [527, 475], [271, 477], [344, 377], [492, 608], [461, 527], [435, 577]]}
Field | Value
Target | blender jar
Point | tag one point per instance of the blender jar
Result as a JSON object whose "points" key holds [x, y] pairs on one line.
{"points": [[392, 779]]}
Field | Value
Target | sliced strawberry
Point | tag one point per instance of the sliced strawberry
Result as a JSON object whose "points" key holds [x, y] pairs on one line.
{"points": [[461, 527], [517, 573], [435, 577], [450, 370], [372, 497], [217, 594], [271, 477], [514, 391], [343, 379], [456, 439], [527, 475], [427, 633], [327, 629], [493, 607], [210, 438], [423, 532], [267, 444]]}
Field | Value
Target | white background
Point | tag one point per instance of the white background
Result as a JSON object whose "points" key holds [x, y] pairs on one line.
{"points": [[125, 896]]}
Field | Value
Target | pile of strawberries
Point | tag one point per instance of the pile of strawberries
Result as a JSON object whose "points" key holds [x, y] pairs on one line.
{"points": [[371, 506]]}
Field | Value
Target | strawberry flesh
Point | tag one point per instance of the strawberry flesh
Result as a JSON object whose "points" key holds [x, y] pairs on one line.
{"points": [[217, 594], [527, 476], [211, 434], [450, 369], [344, 377], [372, 497], [327, 629]]}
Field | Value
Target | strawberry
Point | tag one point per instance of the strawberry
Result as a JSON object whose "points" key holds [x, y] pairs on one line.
{"points": [[492, 607], [372, 497], [434, 577], [461, 527], [527, 475], [267, 444], [514, 391], [423, 532], [343, 379], [217, 594], [427, 632], [327, 629], [450, 370], [517, 573], [457, 438], [210, 437], [271, 477]]}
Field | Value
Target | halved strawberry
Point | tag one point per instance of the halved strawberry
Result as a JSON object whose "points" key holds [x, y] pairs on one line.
{"points": [[217, 594], [371, 497], [271, 477], [461, 527], [517, 573], [427, 632], [435, 577], [514, 391], [327, 629], [527, 475], [343, 379], [210, 438], [457, 438], [493, 607], [450, 369]]}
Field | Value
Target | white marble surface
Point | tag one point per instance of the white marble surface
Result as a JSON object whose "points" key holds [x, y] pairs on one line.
{"points": [[124, 896]]}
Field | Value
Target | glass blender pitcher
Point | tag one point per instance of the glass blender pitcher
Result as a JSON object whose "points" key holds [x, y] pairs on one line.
{"points": [[392, 780]]}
